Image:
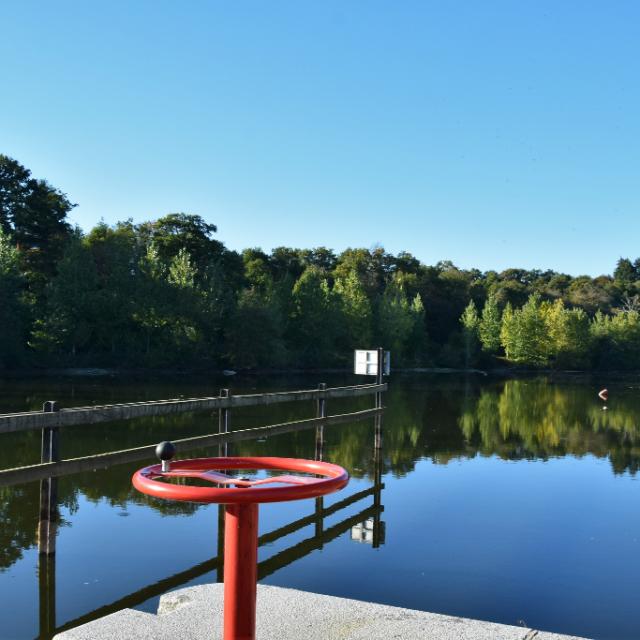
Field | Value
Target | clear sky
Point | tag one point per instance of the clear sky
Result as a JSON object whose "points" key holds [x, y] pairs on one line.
{"points": [[492, 134]]}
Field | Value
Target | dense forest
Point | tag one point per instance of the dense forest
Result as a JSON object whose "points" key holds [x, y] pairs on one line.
{"points": [[167, 293]]}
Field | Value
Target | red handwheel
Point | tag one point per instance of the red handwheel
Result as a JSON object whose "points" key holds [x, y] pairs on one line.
{"points": [[241, 497]]}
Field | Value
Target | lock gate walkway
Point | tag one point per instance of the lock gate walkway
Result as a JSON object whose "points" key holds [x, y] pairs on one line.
{"points": [[194, 613]]}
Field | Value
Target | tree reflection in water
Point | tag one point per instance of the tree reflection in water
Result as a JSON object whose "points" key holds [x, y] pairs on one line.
{"points": [[513, 419], [534, 418]]}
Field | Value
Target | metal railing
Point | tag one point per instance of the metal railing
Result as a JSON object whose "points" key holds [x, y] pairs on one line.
{"points": [[53, 419]]}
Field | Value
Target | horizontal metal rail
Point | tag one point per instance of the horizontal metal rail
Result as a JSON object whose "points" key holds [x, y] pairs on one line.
{"points": [[26, 421], [30, 473]]}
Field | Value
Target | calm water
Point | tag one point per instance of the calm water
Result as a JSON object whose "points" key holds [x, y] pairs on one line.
{"points": [[515, 501]]}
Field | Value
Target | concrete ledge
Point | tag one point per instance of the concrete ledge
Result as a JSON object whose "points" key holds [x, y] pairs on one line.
{"points": [[284, 614]]}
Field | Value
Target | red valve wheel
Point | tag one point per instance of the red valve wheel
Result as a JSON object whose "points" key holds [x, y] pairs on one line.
{"points": [[240, 490], [241, 497]]}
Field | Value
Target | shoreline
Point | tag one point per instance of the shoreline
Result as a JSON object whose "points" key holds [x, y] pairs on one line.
{"points": [[112, 372]]}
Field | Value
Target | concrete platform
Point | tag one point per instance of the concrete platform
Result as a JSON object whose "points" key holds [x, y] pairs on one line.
{"points": [[195, 613]]}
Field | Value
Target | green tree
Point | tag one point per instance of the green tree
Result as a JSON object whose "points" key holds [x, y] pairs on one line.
{"points": [[508, 330], [419, 339], [470, 327], [395, 320], [71, 302], [286, 264], [524, 334], [182, 231], [447, 290], [577, 344], [314, 320], [152, 313], [616, 340], [185, 300], [320, 257], [116, 254], [12, 308], [568, 334], [258, 270], [218, 298], [255, 333], [182, 274], [356, 312], [490, 325], [371, 267], [592, 295], [624, 273], [33, 214]]}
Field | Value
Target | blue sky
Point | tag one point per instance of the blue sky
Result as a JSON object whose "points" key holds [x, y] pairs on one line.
{"points": [[493, 134]]}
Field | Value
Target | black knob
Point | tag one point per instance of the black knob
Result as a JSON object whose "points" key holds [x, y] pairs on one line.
{"points": [[165, 451]]}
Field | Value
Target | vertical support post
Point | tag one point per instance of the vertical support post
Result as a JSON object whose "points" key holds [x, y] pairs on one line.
{"points": [[377, 432], [377, 443], [47, 528], [319, 520], [221, 526], [379, 378], [377, 474], [377, 455], [240, 571], [321, 412], [47, 594], [224, 421], [49, 452]]}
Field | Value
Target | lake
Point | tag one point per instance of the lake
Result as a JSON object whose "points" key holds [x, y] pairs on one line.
{"points": [[511, 500]]}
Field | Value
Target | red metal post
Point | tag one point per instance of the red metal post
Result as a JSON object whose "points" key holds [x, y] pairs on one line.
{"points": [[241, 513], [240, 571]]}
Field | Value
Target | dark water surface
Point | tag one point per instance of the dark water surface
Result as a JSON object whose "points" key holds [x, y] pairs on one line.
{"points": [[515, 501]]}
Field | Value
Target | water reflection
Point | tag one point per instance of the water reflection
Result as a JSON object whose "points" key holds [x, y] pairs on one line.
{"points": [[322, 535], [514, 419], [430, 419], [526, 419]]}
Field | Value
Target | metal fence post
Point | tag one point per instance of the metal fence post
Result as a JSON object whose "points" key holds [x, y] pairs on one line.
{"points": [[377, 432], [377, 474], [321, 412], [220, 568], [378, 419], [224, 421], [49, 452], [379, 378], [377, 454], [47, 526]]}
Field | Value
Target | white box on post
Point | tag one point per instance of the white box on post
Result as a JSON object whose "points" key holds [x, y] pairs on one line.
{"points": [[365, 362]]}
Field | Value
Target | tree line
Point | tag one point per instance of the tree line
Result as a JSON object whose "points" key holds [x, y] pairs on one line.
{"points": [[167, 293]]}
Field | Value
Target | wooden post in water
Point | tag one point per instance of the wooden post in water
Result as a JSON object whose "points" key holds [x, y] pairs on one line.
{"points": [[224, 422], [321, 412], [377, 455], [48, 487], [220, 569], [47, 529], [377, 474], [379, 378]]}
